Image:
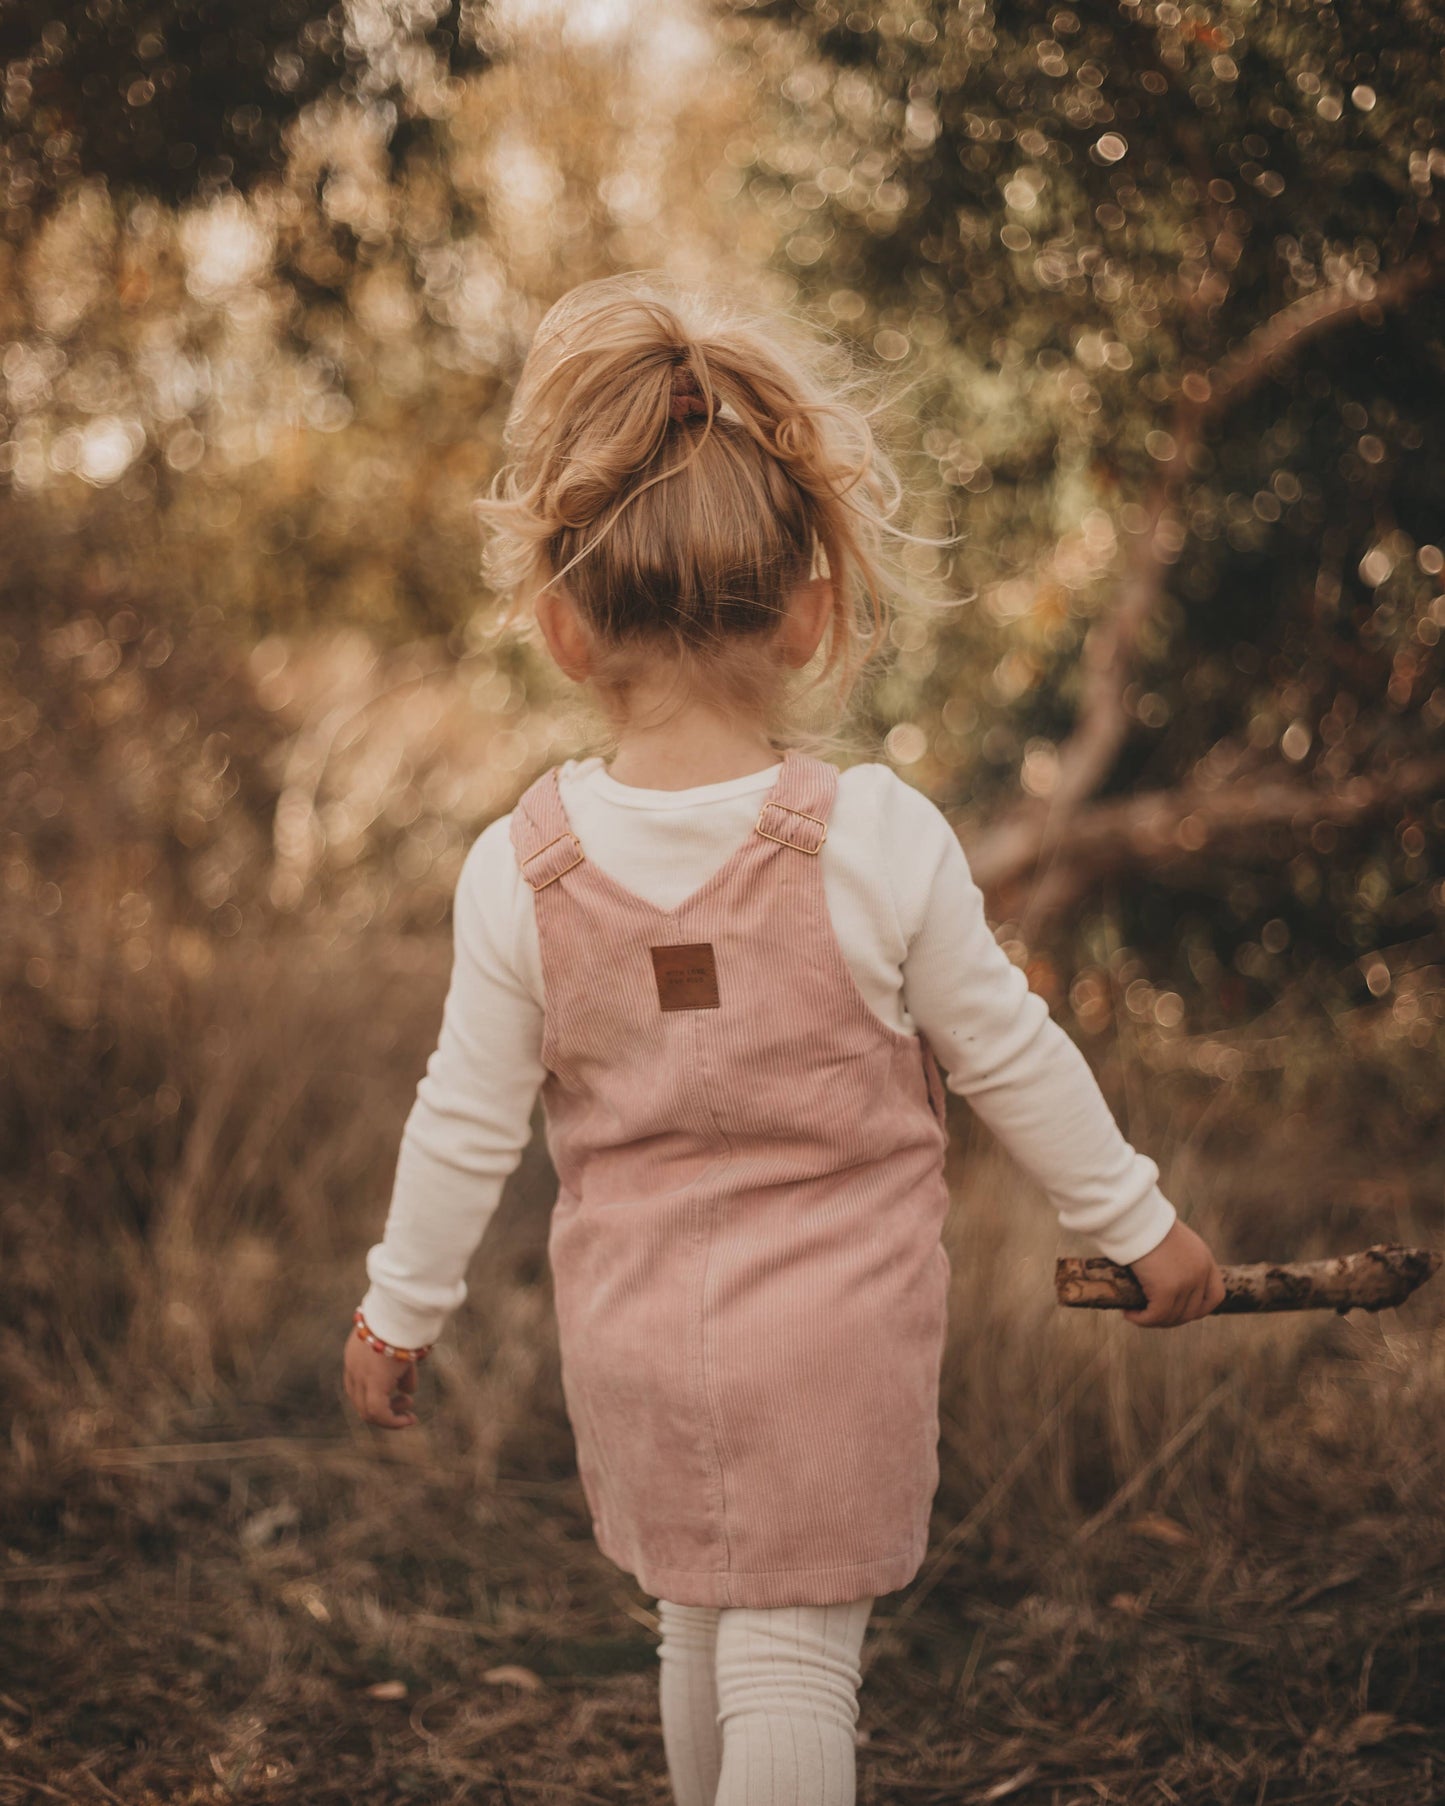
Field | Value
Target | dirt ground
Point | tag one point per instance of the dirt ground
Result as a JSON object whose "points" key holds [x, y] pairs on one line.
{"points": [[1202, 1566]]}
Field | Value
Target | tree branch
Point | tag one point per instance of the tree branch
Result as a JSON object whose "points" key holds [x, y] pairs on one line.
{"points": [[1242, 370], [1166, 829], [1380, 1277], [1032, 834]]}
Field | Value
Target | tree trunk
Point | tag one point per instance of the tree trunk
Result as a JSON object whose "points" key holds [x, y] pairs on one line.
{"points": [[1039, 835]]}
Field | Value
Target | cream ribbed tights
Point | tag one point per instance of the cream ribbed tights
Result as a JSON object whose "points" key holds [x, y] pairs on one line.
{"points": [[759, 1707]]}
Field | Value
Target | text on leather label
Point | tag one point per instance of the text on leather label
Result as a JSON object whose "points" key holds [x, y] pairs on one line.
{"points": [[686, 976]]}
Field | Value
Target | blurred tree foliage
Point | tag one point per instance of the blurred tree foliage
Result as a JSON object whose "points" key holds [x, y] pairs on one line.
{"points": [[242, 423], [278, 395], [193, 96], [1166, 282], [1174, 274]]}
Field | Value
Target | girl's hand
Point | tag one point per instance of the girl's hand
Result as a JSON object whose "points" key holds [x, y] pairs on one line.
{"points": [[1180, 1279], [380, 1387]]}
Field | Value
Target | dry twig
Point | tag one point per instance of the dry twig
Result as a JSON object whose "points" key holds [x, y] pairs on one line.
{"points": [[1376, 1279]]}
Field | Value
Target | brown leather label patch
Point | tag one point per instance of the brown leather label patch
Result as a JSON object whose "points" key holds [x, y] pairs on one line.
{"points": [[686, 977]]}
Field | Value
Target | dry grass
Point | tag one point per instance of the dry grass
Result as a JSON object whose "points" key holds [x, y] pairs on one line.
{"points": [[1201, 1566]]}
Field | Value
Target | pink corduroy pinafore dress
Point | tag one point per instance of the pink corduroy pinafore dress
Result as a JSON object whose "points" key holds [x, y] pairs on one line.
{"points": [[750, 1283]]}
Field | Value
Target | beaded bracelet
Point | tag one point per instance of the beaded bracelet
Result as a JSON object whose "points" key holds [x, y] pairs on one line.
{"points": [[364, 1334]]}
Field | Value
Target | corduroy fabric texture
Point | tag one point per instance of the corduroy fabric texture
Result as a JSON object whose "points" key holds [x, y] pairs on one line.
{"points": [[750, 1285]]}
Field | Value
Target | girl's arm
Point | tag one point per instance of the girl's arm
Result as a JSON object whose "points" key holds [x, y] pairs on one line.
{"points": [[471, 1120], [1024, 1077]]}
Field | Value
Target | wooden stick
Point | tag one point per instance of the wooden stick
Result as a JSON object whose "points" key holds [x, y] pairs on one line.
{"points": [[1379, 1277]]}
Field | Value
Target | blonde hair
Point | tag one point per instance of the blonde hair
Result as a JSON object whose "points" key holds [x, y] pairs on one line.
{"points": [[678, 462]]}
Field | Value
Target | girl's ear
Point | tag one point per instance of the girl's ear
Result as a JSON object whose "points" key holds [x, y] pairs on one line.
{"points": [[806, 620], [564, 633]]}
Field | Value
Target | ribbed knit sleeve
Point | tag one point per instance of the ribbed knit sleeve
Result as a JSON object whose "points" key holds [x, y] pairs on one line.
{"points": [[470, 1122], [1001, 1049]]}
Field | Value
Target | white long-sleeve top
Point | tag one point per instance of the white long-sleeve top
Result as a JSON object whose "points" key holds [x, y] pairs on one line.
{"points": [[910, 921]]}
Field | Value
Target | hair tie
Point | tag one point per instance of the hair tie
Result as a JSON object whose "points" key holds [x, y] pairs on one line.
{"points": [[688, 400]]}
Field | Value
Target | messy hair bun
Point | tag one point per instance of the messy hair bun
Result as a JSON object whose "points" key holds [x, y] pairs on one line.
{"points": [[679, 463]]}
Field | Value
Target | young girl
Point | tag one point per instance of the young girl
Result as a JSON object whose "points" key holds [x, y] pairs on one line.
{"points": [[733, 972]]}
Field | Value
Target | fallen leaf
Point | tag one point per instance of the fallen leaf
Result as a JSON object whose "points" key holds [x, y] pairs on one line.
{"points": [[386, 1690], [1002, 1789], [510, 1673], [1368, 1728], [1161, 1529], [260, 1531]]}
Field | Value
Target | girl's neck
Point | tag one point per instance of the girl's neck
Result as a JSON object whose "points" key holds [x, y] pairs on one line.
{"points": [[695, 746]]}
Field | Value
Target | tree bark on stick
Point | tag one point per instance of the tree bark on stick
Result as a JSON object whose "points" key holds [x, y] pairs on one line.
{"points": [[1375, 1279]]}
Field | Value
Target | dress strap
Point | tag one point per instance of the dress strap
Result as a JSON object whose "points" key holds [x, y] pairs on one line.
{"points": [[796, 809], [541, 834]]}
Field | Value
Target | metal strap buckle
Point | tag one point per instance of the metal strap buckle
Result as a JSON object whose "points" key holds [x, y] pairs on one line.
{"points": [[797, 846], [566, 834]]}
